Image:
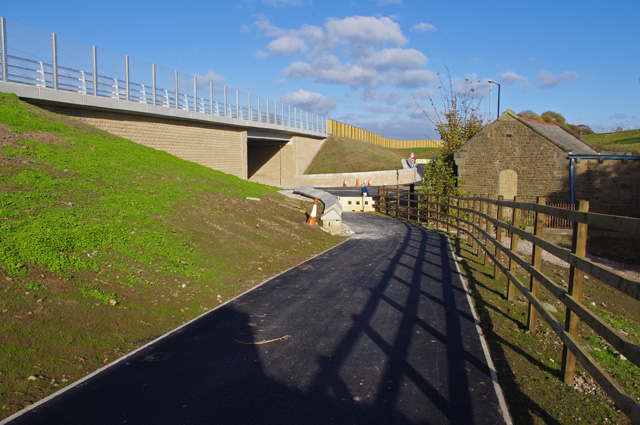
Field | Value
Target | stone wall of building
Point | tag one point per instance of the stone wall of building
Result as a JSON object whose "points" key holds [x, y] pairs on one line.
{"points": [[508, 158], [607, 181]]}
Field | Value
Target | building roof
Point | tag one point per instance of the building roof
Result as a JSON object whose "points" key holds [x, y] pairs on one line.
{"points": [[559, 136]]}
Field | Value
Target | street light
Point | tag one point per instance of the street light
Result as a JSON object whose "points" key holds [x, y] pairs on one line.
{"points": [[493, 82]]}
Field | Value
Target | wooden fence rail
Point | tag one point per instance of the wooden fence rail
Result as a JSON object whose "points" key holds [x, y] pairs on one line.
{"points": [[482, 221]]}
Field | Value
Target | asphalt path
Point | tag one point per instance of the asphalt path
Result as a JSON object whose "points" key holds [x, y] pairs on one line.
{"points": [[375, 331]]}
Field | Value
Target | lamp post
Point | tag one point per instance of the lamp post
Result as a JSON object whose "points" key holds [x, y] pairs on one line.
{"points": [[493, 82]]}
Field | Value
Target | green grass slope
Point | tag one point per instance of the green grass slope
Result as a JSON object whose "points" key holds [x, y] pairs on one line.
{"points": [[106, 244], [620, 141], [340, 155]]}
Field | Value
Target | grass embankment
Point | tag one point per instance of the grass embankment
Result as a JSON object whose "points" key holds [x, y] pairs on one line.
{"points": [[106, 244], [528, 363], [340, 155], [620, 141]]}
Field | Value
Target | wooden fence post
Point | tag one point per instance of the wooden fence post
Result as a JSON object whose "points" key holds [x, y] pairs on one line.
{"points": [[445, 211], [428, 208], [397, 200], [458, 217], [484, 207], [576, 277], [515, 222], [487, 228], [475, 220], [536, 262], [497, 252], [438, 210]]}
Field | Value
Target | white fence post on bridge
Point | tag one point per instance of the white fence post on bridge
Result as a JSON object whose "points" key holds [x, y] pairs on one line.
{"points": [[195, 94], [127, 91], [54, 59], [237, 105], [224, 99], [211, 97], [153, 83], [176, 88], [3, 46], [94, 60]]}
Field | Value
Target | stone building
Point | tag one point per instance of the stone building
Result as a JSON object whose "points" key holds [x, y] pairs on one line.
{"points": [[517, 156]]}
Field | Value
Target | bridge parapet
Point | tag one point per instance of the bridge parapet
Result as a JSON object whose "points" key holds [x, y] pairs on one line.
{"points": [[45, 66]]}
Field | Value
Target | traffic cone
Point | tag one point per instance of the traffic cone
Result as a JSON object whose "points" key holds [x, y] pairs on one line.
{"points": [[369, 182], [357, 182], [311, 221], [344, 184]]}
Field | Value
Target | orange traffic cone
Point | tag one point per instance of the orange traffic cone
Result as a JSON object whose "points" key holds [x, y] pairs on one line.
{"points": [[311, 221], [369, 182], [357, 182], [344, 184]]}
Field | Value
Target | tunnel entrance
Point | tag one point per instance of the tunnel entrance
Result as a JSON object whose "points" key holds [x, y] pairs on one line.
{"points": [[264, 157]]}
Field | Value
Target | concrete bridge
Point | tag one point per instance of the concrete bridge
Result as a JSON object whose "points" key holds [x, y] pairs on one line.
{"points": [[239, 133]]}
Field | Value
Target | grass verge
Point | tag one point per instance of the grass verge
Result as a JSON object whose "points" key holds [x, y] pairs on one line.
{"points": [[528, 363], [106, 244], [341, 155], [621, 141]]}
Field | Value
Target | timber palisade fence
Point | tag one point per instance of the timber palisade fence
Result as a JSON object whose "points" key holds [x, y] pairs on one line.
{"points": [[483, 221], [34, 57]]}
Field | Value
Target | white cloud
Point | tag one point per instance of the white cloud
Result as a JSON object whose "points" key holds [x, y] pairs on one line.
{"points": [[216, 79], [423, 27], [387, 2], [286, 45], [395, 58], [365, 30], [310, 101], [413, 78], [548, 80], [511, 77], [299, 70], [330, 69], [373, 95]]}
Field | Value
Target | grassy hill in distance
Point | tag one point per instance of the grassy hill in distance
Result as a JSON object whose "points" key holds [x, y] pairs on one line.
{"points": [[106, 244], [341, 155], [619, 141]]}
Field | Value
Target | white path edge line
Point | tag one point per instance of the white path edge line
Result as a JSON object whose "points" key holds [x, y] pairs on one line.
{"points": [[160, 338], [494, 376]]}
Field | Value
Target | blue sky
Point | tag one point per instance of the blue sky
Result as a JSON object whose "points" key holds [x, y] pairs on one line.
{"points": [[364, 62]]}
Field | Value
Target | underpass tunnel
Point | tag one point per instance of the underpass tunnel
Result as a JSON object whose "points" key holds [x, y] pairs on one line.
{"points": [[269, 157]]}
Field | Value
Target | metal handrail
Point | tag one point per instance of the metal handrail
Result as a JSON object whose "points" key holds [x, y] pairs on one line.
{"points": [[47, 72]]}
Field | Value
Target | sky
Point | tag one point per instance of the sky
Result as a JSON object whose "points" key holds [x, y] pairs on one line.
{"points": [[376, 64]]}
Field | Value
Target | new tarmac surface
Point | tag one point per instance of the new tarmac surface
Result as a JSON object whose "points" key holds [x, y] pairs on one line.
{"points": [[375, 331]]}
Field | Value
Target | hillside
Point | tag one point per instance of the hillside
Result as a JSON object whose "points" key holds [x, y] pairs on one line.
{"points": [[106, 244], [620, 141], [341, 155]]}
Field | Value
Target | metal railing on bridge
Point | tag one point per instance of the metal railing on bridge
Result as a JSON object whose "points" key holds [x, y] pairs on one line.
{"points": [[34, 57]]}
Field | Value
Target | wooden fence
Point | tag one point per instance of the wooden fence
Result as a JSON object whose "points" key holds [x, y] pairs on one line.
{"points": [[482, 222]]}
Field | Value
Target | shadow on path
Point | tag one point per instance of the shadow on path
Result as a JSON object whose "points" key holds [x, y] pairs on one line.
{"points": [[378, 332]]}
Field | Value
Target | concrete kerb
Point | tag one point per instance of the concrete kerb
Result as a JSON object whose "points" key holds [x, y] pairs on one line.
{"points": [[332, 214]]}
